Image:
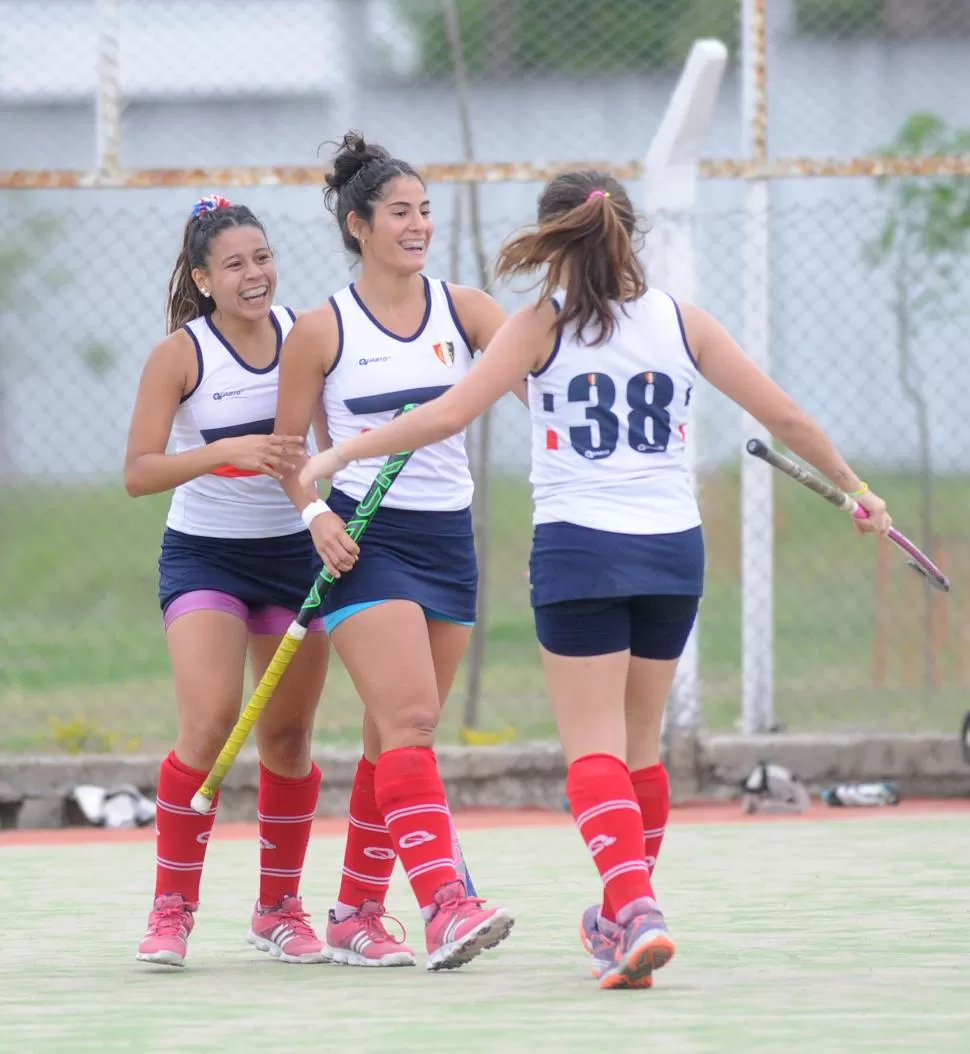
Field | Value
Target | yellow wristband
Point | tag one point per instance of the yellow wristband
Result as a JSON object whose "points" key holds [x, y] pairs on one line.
{"points": [[858, 493]]}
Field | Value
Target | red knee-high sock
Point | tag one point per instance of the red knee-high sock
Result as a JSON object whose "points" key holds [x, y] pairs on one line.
{"points": [[369, 854], [285, 811], [181, 833], [652, 788], [411, 796], [605, 808]]}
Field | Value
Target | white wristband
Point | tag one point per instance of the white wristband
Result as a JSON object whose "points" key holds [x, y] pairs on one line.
{"points": [[313, 510]]}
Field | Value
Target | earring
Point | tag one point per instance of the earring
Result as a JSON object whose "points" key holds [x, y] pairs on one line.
{"points": [[204, 292]]}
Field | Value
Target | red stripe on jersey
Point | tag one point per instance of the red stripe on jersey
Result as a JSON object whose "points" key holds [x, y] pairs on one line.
{"points": [[230, 472], [552, 440]]}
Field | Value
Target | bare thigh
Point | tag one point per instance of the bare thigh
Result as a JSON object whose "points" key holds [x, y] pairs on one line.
{"points": [[587, 694], [449, 641], [208, 654], [647, 687], [387, 652], [284, 731]]}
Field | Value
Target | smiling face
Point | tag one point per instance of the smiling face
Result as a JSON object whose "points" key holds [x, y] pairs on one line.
{"points": [[399, 233], [240, 273]]}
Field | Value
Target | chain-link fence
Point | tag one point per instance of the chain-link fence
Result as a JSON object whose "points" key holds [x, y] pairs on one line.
{"points": [[865, 324]]}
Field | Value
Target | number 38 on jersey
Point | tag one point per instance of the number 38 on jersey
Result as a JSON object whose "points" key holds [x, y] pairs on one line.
{"points": [[638, 406]]}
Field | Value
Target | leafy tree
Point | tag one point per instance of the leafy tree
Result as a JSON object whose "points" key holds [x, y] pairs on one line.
{"points": [[923, 238]]}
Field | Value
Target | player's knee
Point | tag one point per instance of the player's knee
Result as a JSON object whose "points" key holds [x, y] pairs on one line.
{"points": [[286, 750], [201, 739], [411, 725]]}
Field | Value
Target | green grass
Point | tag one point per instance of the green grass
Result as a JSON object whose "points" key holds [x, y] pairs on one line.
{"points": [[80, 631], [802, 937]]}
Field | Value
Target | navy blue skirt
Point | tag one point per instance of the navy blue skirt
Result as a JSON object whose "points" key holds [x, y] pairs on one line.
{"points": [[569, 562], [257, 571], [408, 554]]}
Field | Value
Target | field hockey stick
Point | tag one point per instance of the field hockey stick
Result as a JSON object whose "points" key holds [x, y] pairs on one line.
{"points": [[363, 514], [918, 560]]}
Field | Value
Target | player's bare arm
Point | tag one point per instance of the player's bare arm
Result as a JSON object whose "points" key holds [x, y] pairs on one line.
{"points": [[721, 360]]}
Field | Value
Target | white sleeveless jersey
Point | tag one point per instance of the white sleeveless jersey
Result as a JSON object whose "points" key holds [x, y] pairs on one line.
{"points": [[230, 399], [609, 426], [376, 373]]}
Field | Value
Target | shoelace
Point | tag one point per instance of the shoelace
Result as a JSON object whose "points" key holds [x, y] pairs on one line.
{"points": [[297, 920], [377, 930], [169, 921], [455, 903]]}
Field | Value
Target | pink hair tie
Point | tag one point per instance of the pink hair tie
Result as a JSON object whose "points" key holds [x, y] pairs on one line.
{"points": [[598, 194]]}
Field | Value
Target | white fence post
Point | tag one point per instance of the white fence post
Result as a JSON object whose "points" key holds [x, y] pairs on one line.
{"points": [[757, 484], [108, 102], [671, 165]]}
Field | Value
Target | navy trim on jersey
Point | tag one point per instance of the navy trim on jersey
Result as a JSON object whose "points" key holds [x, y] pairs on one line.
{"points": [[555, 347], [457, 321], [247, 428], [198, 359], [386, 401], [683, 333], [340, 337], [387, 332], [291, 313], [242, 362]]}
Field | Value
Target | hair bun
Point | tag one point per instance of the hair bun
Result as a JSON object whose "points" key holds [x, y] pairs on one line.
{"points": [[352, 155]]}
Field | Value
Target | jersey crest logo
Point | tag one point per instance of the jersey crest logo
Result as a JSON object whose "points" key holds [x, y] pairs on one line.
{"points": [[445, 352]]}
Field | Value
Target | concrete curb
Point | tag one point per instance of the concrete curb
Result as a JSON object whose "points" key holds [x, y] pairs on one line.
{"points": [[35, 789]]}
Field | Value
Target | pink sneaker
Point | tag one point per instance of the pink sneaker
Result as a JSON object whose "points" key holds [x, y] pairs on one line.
{"points": [[461, 928], [169, 925], [285, 933], [362, 940]]}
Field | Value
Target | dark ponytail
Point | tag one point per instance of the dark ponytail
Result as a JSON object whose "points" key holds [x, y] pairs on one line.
{"points": [[585, 238], [210, 217]]}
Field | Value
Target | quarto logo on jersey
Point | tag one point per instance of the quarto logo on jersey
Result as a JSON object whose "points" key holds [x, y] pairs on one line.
{"points": [[230, 393], [371, 361], [445, 352]]}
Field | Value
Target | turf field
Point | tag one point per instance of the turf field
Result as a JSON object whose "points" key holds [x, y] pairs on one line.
{"points": [[81, 640], [834, 934]]}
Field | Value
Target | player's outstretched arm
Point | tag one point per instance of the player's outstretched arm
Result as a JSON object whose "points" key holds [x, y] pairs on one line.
{"points": [[482, 316], [722, 362], [507, 359]]}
